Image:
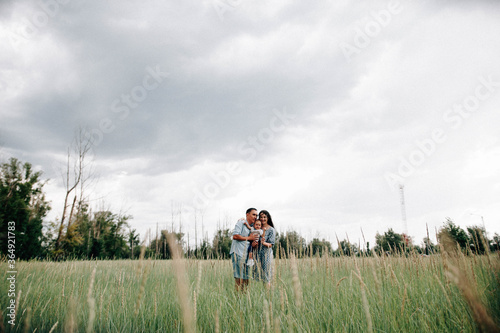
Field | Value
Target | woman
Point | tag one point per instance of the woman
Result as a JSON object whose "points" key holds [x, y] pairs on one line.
{"points": [[266, 247]]}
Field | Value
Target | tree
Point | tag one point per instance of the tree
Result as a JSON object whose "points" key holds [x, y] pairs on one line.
{"points": [[318, 247], [133, 243], [456, 233], [163, 246], [292, 242], [390, 241], [78, 173], [204, 251], [368, 252], [428, 247], [495, 245], [222, 243], [115, 244], [479, 243], [22, 201], [346, 248], [93, 235]]}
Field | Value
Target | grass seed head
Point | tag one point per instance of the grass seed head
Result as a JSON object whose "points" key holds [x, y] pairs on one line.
{"points": [[188, 320]]}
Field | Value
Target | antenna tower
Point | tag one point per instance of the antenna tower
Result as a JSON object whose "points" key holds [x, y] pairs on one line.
{"points": [[403, 208]]}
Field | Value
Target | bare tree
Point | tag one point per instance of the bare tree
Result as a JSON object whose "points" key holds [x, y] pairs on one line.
{"points": [[79, 173]]}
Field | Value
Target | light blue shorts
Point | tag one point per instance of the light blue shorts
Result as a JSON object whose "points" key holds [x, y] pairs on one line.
{"points": [[240, 268]]}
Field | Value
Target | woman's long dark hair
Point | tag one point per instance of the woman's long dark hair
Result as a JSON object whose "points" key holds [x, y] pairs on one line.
{"points": [[269, 218]]}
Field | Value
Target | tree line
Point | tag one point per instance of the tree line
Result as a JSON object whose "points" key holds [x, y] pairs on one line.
{"points": [[84, 233]]}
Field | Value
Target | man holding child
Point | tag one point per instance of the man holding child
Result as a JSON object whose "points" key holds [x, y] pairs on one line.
{"points": [[241, 236], [248, 229]]}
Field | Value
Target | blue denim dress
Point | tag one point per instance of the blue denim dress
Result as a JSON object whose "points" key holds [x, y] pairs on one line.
{"points": [[266, 256]]}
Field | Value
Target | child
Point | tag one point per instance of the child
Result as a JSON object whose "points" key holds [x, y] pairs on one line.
{"points": [[257, 229]]}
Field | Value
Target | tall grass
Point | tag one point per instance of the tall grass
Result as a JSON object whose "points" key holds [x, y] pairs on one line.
{"points": [[346, 294]]}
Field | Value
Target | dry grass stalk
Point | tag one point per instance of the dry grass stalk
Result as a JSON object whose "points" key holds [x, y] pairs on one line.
{"points": [[2, 327], [327, 266], [155, 304], [417, 263], [188, 321], [444, 290], [70, 324], [296, 283], [72, 290], [405, 296], [217, 328], [462, 264], [64, 283], [266, 314], [248, 296], [338, 283], [378, 285], [274, 270], [141, 292], [332, 270], [123, 295], [277, 326], [141, 258], [473, 273], [27, 321], [18, 298], [340, 247], [91, 302], [45, 307], [53, 327], [286, 299], [108, 307], [194, 305], [393, 276], [480, 314], [366, 307], [271, 309], [481, 317], [200, 273], [282, 299]]}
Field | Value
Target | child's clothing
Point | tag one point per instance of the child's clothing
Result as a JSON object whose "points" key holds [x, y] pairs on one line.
{"points": [[260, 232]]}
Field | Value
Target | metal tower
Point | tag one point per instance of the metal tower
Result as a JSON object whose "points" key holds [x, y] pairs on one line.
{"points": [[403, 208]]}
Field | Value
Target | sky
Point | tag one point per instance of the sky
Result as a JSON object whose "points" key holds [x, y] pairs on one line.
{"points": [[315, 111]]}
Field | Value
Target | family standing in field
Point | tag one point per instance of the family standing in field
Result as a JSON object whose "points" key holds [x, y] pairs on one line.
{"points": [[252, 248]]}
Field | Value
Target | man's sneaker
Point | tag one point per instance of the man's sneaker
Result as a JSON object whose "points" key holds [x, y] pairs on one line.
{"points": [[250, 262]]}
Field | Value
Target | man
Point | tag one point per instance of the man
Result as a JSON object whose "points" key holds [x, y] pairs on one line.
{"points": [[239, 248]]}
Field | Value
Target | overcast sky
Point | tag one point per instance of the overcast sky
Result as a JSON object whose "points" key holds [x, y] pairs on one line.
{"points": [[315, 111]]}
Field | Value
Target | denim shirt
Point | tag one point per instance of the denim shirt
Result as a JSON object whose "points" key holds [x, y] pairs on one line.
{"points": [[240, 247]]}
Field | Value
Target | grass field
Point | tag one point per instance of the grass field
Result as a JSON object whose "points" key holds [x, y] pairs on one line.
{"points": [[346, 294]]}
